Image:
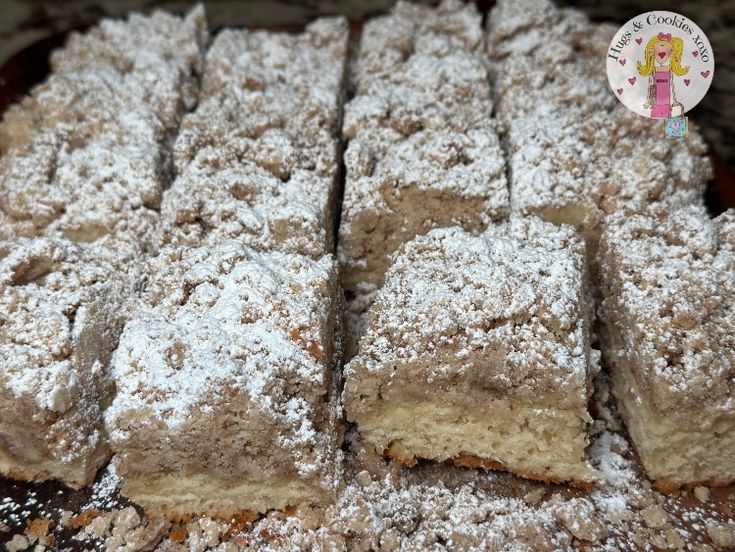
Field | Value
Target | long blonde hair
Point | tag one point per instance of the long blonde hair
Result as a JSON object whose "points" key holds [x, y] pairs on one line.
{"points": [[677, 47]]}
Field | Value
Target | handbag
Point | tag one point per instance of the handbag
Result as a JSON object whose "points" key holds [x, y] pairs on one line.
{"points": [[651, 100], [677, 109]]}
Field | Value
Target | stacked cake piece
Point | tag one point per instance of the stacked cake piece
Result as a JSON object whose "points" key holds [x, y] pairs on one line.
{"points": [[668, 284], [60, 317], [576, 154], [227, 375], [665, 270], [422, 149], [259, 158], [87, 154], [226, 397]]}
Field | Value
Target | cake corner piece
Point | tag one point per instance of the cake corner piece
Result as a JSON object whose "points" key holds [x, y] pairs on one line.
{"points": [[667, 286], [60, 316]]}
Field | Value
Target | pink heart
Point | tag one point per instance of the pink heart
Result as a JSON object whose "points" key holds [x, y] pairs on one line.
{"points": [[705, 74], [620, 91], [631, 80], [622, 61], [695, 53], [687, 81], [639, 40], [675, 126]]}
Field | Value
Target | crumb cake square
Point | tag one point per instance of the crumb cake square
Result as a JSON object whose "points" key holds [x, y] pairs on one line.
{"points": [[398, 188], [259, 158], [477, 351], [223, 194], [103, 188], [668, 313], [422, 151], [61, 311], [227, 383], [575, 153]]}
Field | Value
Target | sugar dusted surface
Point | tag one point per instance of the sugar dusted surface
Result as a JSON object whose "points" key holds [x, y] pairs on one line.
{"points": [[422, 151], [103, 188], [146, 62], [226, 194], [87, 153], [44, 285], [669, 287], [420, 67], [258, 159], [520, 288], [227, 333], [61, 310]]}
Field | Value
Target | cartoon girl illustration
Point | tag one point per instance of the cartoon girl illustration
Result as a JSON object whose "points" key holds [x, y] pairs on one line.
{"points": [[662, 61]]}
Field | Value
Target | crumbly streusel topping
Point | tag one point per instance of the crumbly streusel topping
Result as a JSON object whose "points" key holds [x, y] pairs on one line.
{"points": [[88, 151], [145, 62], [258, 159], [290, 83], [437, 163], [519, 293], [420, 67], [669, 283], [52, 188], [50, 291], [160, 54], [228, 317], [250, 190], [419, 136]]}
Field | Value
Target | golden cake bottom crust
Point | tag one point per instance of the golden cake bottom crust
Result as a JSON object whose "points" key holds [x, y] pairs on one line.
{"points": [[530, 440]]}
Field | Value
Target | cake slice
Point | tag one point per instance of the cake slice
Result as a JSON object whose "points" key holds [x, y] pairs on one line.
{"points": [[400, 188], [259, 158], [227, 193], [104, 188], [226, 383], [61, 311], [477, 351], [668, 287], [145, 63]]}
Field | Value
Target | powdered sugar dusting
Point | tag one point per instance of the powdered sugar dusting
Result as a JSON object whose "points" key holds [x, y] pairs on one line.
{"points": [[257, 160], [674, 307], [422, 151], [448, 296]]}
